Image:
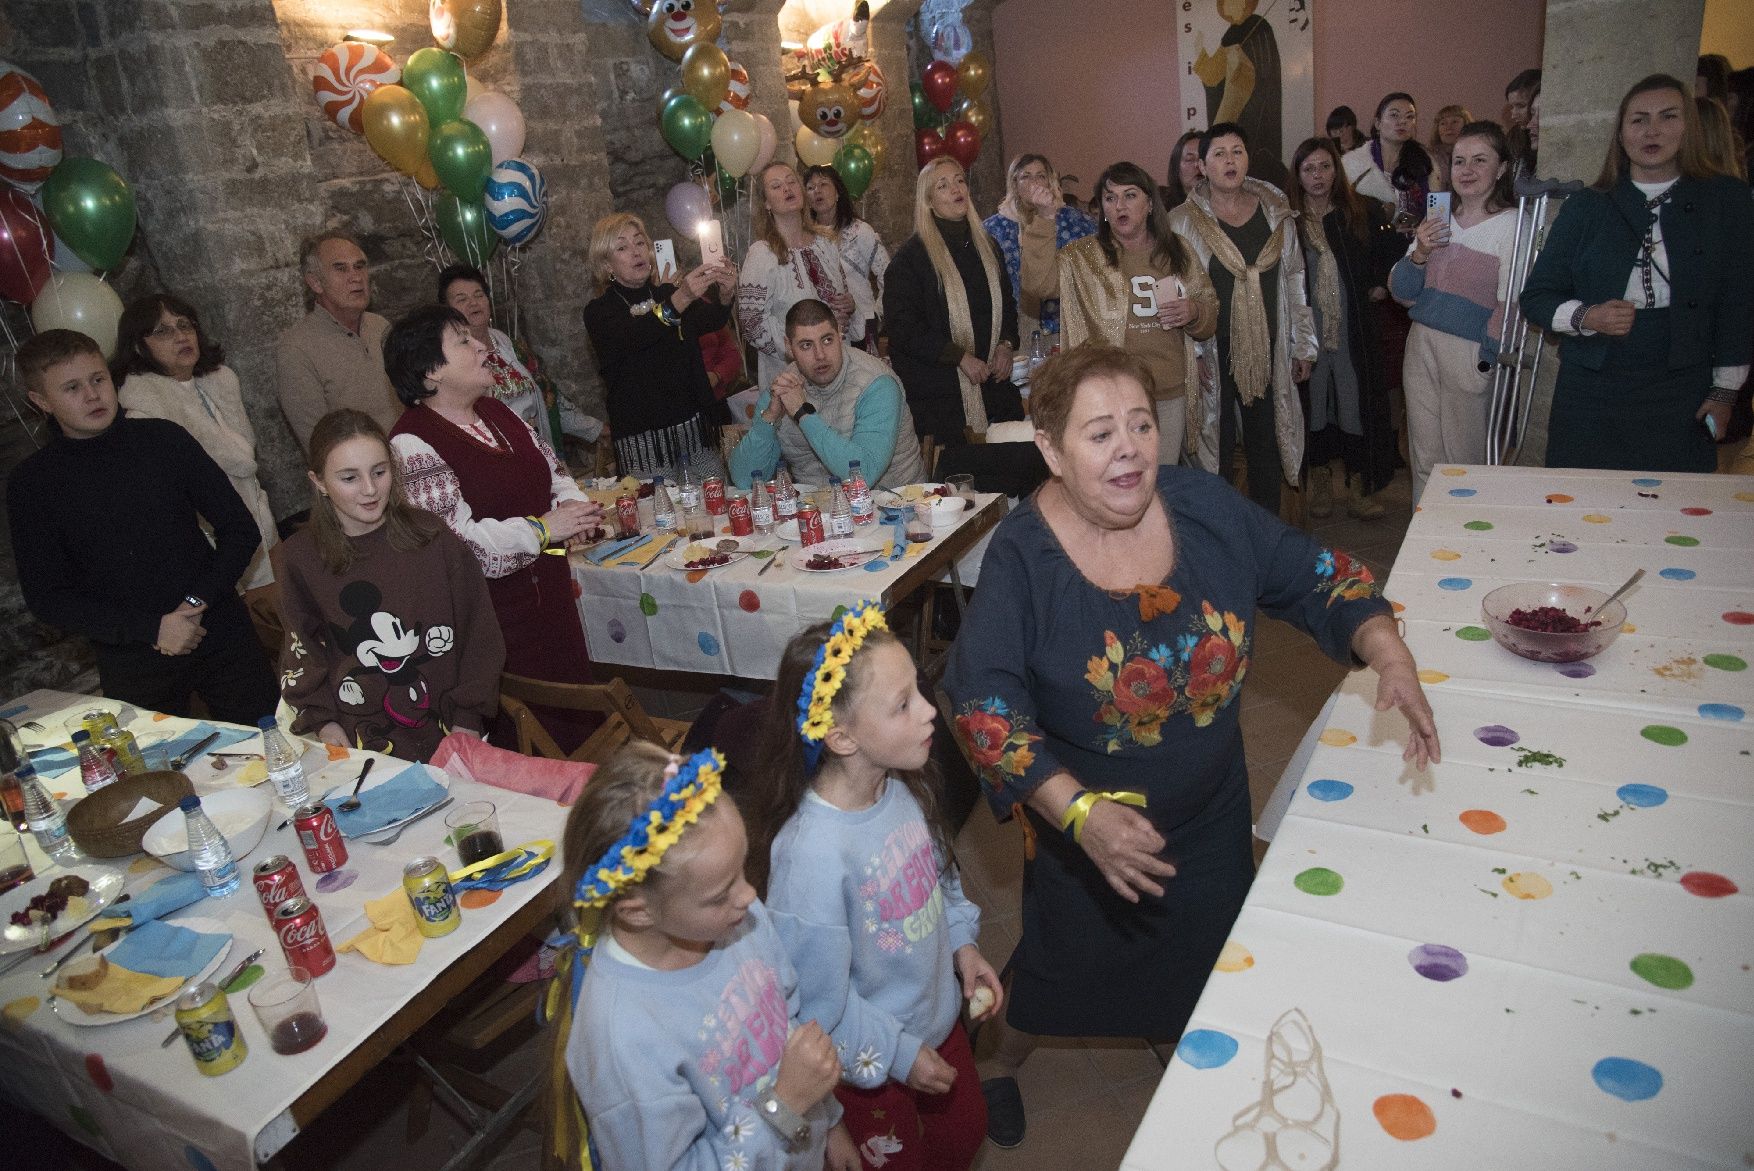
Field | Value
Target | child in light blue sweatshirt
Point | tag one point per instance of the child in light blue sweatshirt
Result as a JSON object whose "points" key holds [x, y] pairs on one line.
{"points": [[864, 896], [685, 1050]]}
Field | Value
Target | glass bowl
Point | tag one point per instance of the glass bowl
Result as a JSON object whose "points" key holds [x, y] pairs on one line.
{"points": [[1581, 602]]}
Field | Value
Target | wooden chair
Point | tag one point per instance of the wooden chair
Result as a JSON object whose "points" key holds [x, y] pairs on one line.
{"points": [[263, 604], [626, 719]]}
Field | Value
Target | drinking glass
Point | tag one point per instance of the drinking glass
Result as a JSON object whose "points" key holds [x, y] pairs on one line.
{"points": [[15, 867], [475, 831], [286, 1004], [962, 485]]}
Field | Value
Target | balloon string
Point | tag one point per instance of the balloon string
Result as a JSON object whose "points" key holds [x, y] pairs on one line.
{"points": [[421, 209], [8, 376]]}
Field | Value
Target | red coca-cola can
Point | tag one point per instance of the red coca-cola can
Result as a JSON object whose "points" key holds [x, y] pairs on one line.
{"points": [[303, 941], [742, 517], [627, 515], [321, 838], [712, 491], [809, 525], [276, 881]]}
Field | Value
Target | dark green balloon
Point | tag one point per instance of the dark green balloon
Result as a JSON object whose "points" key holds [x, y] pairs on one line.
{"points": [[856, 168], [686, 126], [92, 209], [464, 228], [438, 80], [461, 158], [727, 188], [925, 113]]}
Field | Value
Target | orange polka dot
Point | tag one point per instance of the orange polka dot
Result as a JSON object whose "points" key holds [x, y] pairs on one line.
{"points": [[1559, 498], [336, 751], [695, 575], [1397, 607], [157, 716], [1482, 821], [471, 900], [1338, 738], [1404, 1117]]}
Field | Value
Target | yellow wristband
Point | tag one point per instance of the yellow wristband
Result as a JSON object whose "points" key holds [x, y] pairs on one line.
{"points": [[1072, 821]]}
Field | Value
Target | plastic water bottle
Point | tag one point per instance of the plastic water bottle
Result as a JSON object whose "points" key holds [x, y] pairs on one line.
{"points": [[1037, 352], [690, 490], [859, 495], [284, 768], [663, 512], [761, 507], [840, 513], [785, 495], [47, 821], [208, 849], [96, 768]]}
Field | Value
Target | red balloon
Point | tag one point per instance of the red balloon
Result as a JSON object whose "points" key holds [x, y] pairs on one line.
{"points": [[963, 142], [928, 145], [939, 83], [24, 248]]}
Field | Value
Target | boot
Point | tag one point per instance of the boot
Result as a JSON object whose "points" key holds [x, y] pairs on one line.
{"points": [[1358, 504], [1321, 492]]}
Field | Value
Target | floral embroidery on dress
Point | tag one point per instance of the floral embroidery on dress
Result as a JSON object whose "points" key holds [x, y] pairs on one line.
{"points": [[1342, 578], [997, 740], [1141, 685]]}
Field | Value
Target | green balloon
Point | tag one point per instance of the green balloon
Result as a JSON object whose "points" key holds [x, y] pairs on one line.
{"points": [[727, 188], [856, 168], [925, 113], [92, 209], [464, 228], [686, 126], [461, 158], [437, 79]]}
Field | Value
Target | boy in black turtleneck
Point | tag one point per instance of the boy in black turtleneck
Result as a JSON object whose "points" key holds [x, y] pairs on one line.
{"points": [[106, 531]]}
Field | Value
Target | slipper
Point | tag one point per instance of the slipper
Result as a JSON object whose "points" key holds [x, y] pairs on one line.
{"points": [[1005, 1123]]}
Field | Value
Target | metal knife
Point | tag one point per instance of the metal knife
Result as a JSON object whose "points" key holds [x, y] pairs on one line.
{"points": [[235, 973], [177, 762]]}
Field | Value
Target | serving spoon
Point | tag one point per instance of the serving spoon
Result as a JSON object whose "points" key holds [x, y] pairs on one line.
{"points": [[1624, 586]]}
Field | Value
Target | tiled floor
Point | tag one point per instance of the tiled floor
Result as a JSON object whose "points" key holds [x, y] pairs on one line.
{"points": [[1084, 1098]]}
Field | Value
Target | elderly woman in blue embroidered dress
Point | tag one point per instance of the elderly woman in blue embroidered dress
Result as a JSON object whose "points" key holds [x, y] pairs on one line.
{"points": [[1094, 682], [1030, 226]]}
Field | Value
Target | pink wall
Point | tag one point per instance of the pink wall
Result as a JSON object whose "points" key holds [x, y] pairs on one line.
{"points": [[1089, 89]]}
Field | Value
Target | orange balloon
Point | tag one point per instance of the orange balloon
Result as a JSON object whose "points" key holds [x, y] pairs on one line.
{"points": [[974, 75], [396, 127]]}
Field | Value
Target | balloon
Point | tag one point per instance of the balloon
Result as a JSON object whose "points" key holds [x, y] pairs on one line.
{"points": [[685, 123], [426, 176], [869, 88], [974, 74], [706, 74], [976, 113], [396, 127], [928, 145], [499, 119], [856, 168], [346, 75], [676, 24], [464, 229], [474, 90], [686, 206], [770, 142], [951, 40], [81, 302], [25, 251], [868, 136], [461, 158], [736, 140], [813, 149], [829, 110], [30, 130], [963, 143], [92, 208], [736, 90], [925, 117], [465, 27], [437, 79], [517, 201], [938, 81], [674, 91], [727, 189]]}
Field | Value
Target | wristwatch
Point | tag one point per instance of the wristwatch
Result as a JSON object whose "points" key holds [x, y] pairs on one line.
{"points": [[807, 409], [1577, 316], [790, 1125]]}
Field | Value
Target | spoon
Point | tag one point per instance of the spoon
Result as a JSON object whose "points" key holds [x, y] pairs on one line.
{"points": [[352, 802], [1624, 586]]}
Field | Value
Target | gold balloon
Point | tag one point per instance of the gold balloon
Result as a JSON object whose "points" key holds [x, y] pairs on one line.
{"points": [[396, 127], [868, 136], [465, 27], [706, 74], [813, 149], [976, 113], [426, 176], [974, 75]]}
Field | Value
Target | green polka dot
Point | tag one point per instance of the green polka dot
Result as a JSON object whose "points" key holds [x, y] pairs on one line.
{"points": [[1663, 971], [1663, 734], [1478, 526], [1473, 634], [1319, 880], [648, 605], [82, 1117], [1725, 662], [1684, 542], [247, 977]]}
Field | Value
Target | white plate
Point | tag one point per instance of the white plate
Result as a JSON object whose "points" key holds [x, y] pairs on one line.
{"points": [[851, 554], [379, 835], [887, 498], [74, 1015], [106, 884], [674, 559]]}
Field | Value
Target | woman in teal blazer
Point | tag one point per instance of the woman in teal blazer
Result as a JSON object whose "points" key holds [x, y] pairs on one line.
{"points": [[1648, 279]]}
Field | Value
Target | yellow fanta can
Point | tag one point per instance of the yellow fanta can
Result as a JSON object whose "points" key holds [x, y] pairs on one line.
{"points": [[205, 1016]]}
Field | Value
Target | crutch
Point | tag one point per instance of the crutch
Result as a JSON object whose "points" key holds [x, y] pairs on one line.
{"points": [[1512, 393]]}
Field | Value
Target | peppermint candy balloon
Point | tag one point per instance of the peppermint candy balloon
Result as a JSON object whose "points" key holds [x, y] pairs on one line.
{"points": [[869, 88], [737, 97], [30, 131], [346, 75], [517, 201]]}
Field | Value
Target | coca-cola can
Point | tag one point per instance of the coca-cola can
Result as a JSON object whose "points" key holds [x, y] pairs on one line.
{"points": [[712, 491], [321, 838], [276, 881], [809, 525], [303, 941], [627, 515], [742, 517]]}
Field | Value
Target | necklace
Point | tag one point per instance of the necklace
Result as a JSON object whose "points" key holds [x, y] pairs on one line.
{"points": [[1647, 252], [635, 308]]}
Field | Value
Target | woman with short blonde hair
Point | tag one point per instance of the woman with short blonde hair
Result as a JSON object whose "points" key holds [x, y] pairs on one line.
{"points": [[1030, 227]]}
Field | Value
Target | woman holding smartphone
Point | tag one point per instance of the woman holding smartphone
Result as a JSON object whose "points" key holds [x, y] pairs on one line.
{"points": [[1644, 277], [1454, 281]]}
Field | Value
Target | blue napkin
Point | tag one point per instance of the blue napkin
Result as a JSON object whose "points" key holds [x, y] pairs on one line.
{"points": [[52, 762], [160, 899], [194, 736], [160, 949], [406, 793]]}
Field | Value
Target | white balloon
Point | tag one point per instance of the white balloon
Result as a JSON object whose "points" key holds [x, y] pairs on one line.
{"points": [[499, 119], [81, 302]]}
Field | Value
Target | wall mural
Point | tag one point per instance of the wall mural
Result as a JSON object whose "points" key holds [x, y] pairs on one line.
{"points": [[1253, 64]]}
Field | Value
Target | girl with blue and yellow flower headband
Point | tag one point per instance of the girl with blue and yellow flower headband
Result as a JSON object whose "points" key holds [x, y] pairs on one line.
{"points": [[679, 1035]]}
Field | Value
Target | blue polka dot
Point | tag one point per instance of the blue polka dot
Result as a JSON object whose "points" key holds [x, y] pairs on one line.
{"points": [[709, 645], [1455, 583], [1721, 711], [876, 565], [1462, 492], [1675, 574], [1642, 796], [197, 1160], [1209, 1049], [1329, 790], [1647, 482], [1626, 1079]]}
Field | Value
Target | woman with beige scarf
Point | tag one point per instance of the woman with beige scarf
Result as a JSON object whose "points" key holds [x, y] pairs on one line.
{"points": [[1242, 230]]}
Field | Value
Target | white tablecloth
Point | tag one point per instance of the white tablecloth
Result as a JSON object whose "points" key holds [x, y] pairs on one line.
{"points": [[116, 1090], [1539, 953]]}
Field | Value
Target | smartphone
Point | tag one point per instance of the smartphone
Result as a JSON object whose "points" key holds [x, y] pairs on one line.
{"points": [[664, 256], [1437, 205], [712, 242]]}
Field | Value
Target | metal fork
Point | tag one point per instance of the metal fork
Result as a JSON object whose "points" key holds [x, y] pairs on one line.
{"points": [[391, 840]]}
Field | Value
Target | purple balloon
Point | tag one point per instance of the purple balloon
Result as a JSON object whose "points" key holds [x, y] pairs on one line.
{"points": [[686, 206]]}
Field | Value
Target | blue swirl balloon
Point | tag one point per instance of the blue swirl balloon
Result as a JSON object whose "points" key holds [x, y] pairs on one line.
{"points": [[517, 201]]}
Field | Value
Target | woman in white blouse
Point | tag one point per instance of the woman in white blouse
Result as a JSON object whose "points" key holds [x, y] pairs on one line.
{"points": [[166, 368], [791, 260], [861, 249]]}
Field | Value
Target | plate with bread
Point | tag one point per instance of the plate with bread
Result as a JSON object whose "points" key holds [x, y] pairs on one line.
{"points": [[85, 978], [50, 905]]}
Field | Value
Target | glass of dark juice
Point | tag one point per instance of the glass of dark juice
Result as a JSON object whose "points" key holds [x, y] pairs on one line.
{"points": [[286, 1004], [475, 831]]}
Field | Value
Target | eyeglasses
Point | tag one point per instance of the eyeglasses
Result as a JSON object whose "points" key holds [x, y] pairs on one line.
{"points": [[171, 329]]}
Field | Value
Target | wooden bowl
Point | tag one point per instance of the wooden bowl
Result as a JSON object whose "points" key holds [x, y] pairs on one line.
{"points": [[96, 824]]}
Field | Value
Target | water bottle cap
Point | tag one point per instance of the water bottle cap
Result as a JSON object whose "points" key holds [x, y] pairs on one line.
{"points": [[81, 736], [189, 804]]}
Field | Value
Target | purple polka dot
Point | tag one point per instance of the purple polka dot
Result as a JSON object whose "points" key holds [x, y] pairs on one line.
{"points": [[1561, 547], [1576, 670], [1437, 961], [336, 880], [617, 630], [1496, 736]]}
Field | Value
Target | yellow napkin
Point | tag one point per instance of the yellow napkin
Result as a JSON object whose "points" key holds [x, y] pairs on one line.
{"points": [[394, 936], [122, 991], [641, 557]]}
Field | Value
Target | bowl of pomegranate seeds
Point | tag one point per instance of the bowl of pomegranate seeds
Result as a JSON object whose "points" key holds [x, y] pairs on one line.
{"points": [[1551, 622]]}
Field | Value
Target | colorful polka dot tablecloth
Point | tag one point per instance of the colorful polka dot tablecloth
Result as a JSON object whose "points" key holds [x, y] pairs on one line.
{"points": [[1539, 953]]}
